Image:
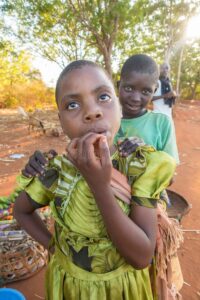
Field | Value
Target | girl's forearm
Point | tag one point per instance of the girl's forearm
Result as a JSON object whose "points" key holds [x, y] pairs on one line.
{"points": [[35, 227], [131, 241]]}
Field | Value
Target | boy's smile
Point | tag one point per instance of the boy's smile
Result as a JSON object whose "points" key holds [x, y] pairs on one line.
{"points": [[135, 91], [87, 103]]}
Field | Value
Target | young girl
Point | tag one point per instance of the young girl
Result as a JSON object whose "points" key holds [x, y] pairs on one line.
{"points": [[105, 228]]}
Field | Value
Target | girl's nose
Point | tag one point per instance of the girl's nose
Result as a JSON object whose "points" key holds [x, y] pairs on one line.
{"points": [[93, 115]]}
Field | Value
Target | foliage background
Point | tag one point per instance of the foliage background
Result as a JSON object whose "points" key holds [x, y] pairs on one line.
{"points": [[105, 31]]}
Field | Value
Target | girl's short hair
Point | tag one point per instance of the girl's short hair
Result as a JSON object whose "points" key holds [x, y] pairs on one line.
{"points": [[77, 64]]}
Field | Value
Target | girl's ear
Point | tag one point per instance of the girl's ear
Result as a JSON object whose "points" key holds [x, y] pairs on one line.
{"points": [[118, 83]]}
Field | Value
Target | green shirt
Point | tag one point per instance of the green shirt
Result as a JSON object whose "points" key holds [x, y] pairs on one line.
{"points": [[155, 129]]}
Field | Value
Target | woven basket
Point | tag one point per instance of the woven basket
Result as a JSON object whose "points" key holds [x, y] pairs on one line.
{"points": [[179, 206], [19, 258]]}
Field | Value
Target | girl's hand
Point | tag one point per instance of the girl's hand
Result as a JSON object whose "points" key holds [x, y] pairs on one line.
{"points": [[91, 155], [37, 162], [129, 145]]}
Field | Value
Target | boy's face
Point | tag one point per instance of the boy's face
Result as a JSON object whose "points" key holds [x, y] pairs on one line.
{"points": [[87, 103], [164, 70], [135, 91]]}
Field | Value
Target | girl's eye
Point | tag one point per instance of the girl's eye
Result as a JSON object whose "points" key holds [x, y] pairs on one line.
{"points": [[128, 88], [104, 97], [72, 105]]}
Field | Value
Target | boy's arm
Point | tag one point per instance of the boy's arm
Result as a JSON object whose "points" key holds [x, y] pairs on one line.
{"points": [[26, 215], [165, 96], [158, 94], [37, 162], [157, 98]]}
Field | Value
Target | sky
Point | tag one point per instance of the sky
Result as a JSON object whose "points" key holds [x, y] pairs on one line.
{"points": [[49, 70]]}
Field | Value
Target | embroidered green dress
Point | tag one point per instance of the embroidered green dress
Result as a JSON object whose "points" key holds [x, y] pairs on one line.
{"points": [[86, 265]]}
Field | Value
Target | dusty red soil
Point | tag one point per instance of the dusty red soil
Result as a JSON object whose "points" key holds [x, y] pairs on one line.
{"points": [[14, 138]]}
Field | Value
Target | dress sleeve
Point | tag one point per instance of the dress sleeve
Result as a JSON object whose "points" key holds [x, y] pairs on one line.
{"points": [[40, 189], [159, 171], [38, 192]]}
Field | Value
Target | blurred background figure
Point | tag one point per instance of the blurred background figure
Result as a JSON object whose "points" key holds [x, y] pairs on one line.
{"points": [[164, 97]]}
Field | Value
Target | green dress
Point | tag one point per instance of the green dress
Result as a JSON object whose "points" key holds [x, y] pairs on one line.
{"points": [[86, 265]]}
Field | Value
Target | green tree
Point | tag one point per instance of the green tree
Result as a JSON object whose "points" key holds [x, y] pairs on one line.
{"points": [[20, 84], [105, 31], [65, 30], [190, 71]]}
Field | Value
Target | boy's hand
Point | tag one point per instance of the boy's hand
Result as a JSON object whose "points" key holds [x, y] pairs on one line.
{"points": [[91, 155], [37, 162], [171, 94], [129, 145]]}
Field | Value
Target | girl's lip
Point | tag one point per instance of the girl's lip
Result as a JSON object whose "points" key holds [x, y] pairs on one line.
{"points": [[99, 131]]}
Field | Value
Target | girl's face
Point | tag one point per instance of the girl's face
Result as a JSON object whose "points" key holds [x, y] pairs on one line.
{"points": [[87, 103], [135, 91]]}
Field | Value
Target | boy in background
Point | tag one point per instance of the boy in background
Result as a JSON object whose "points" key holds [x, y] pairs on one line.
{"points": [[164, 97], [137, 85]]}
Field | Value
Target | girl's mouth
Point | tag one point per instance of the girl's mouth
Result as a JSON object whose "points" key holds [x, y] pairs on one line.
{"points": [[99, 131]]}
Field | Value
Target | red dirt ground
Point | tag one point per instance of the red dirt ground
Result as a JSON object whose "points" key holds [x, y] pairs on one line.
{"points": [[14, 138]]}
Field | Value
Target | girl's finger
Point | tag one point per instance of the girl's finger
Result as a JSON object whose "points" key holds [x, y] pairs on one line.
{"points": [[104, 152], [87, 146], [72, 148], [71, 158]]}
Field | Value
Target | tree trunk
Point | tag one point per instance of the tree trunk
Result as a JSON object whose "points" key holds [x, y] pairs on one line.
{"points": [[179, 74], [107, 62], [193, 94]]}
